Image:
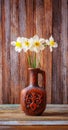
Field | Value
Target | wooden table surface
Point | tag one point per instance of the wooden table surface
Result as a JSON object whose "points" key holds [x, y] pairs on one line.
{"points": [[55, 117]]}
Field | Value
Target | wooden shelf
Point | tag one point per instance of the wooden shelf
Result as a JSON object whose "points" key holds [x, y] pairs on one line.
{"points": [[54, 117]]}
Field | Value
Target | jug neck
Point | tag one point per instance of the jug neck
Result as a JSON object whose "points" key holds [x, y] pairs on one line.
{"points": [[33, 76]]}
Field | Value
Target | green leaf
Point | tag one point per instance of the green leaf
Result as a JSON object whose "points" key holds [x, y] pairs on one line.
{"points": [[34, 63], [29, 60]]}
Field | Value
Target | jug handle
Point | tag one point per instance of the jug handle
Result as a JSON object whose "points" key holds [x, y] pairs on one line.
{"points": [[43, 77]]}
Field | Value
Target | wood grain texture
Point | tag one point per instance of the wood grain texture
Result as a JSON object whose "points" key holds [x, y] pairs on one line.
{"points": [[57, 82], [26, 18], [0, 52], [33, 127], [47, 56], [22, 57], [5, 51], [64, 49], [60, 23], [52, 113], [13, 55], [54, 117]]}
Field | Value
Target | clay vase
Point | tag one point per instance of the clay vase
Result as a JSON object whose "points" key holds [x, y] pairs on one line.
{"points": [[33, 97]]}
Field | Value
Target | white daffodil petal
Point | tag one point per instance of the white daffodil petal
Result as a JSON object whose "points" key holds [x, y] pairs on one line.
{"points": [[16, 48], [25, 50], [36, 50], [51, 49], [56, 45], [19, 50], [31, 40], [51, 39], [42, 40], [19, 39], [13, 43], [47, 42], [42, 47], [36, 38], [22, 39], [31, 49], [26, 45]]}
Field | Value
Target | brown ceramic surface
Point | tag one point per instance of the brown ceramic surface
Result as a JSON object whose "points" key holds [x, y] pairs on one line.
{"points": [[33, 98]]}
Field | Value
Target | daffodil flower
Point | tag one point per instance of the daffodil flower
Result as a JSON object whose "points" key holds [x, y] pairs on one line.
{"points": [[26, 44], [51, 43], [36, 44], [18, 44]]}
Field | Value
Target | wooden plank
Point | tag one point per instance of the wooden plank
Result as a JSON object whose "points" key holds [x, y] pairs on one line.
{"points": [[15, 78], [33, 127], [5, 50], [34, 123], [3, 41], [29, 18], [57, 87], [47, 55], [54, 117], [34, 16], [51, 113], [39, 17], [22, 56], [0, 51], [67, 55], [64, 50], [60, 70]]}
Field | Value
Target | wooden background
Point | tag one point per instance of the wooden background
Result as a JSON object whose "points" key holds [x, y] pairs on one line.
{"points": [[26, 18]]}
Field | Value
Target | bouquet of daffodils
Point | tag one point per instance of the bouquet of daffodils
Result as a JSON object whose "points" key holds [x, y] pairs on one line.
{"points": [[33, 45]]}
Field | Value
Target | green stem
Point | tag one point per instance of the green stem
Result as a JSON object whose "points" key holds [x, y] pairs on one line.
{"points": [[39, 60], [35, 61], [29, 60]]}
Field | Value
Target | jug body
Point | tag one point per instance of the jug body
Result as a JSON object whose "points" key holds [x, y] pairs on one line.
{"points": [[33, 97]]}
